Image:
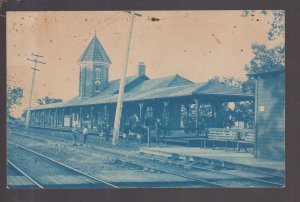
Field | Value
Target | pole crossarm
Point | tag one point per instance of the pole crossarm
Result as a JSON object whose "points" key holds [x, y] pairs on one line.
{"points": [[35, 69], [37, 55], [35, 60], [135, 13]]}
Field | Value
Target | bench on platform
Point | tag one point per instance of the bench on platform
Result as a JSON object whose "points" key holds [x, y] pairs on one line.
{"points": [[216, 138], [219, 137]]}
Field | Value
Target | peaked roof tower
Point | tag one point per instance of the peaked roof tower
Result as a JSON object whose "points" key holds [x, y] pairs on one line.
{"points": [[94, 52]]}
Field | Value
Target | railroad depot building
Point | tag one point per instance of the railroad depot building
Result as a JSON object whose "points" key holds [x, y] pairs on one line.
{"points": [[165, 98], [161, 98]]}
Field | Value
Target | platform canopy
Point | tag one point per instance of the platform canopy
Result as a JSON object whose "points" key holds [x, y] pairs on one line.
{"points": [[167, 88]]}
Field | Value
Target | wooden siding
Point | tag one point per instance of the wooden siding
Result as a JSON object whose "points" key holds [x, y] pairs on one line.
{"points": [[271, 121]]}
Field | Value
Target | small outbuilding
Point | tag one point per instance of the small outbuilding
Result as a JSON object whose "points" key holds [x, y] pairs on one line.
{"points": [[270, 115]]}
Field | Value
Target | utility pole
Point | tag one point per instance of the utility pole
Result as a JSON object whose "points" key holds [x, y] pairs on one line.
{"points": [[34, 69], [122, 84]]}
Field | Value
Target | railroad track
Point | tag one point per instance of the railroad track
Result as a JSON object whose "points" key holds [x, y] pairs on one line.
{"points": [[190, 177], [19, 179], [148, 163], [46, 172]]}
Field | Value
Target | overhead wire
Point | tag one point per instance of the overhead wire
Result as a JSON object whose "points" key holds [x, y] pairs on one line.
{"points": [[89, 29], [79, 43]]}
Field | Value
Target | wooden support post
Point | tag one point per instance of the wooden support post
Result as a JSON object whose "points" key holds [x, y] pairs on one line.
{"points": [[92, 117], [40, 117], [81, 117], [53, 118], [187, 126], [96, 117], [219, 115], [38, 121], [31, 117], [56, 117], [141, 111], [105, 113], [71, 117], [44, 120], [166, 104], [35, 117], [63, 117], [49, 117], [122, 121], [31, 120], [197, 115]]}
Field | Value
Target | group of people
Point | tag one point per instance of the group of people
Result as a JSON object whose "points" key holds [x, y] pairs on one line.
{"points": [[75, 133], [103, 132]]}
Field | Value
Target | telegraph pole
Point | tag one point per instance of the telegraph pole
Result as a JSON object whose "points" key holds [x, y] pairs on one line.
{"points": [[122, 83], [34, 69]]}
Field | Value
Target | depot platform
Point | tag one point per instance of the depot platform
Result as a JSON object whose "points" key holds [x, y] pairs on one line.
{"points": [[228, 159]]}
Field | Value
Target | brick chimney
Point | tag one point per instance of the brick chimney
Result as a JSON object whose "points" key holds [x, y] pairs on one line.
{"points": [[141, 69]]}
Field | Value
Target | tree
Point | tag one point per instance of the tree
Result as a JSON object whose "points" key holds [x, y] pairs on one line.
{"points": [[225, 81], [266, 59], [273, 58], [278, 25], [48, 100], [14, 98]]}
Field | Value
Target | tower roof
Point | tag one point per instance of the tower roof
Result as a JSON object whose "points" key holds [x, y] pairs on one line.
{"points": [[94, 52]]}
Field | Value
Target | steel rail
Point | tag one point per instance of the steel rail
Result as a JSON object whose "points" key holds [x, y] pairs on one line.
{"points": [[26, 175], [168, 161], [63, 165], [127, 160]]}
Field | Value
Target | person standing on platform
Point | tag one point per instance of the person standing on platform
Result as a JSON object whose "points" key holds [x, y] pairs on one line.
{"points": [[100, 133], [106, 132], [240, 143], [74, 134], [85, 132]]}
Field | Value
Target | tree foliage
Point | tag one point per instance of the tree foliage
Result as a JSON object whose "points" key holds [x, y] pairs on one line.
{"points": [[273, 58], [225, 81], [278, 25], [14, 98], [266, 59], [48, 100]]}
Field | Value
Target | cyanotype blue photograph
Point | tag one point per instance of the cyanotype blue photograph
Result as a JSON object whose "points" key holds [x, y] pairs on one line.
{"points": [[146, 99]]}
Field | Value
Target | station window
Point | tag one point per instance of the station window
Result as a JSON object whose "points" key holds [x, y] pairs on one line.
{"points": [[97, 85], [98, 73]]}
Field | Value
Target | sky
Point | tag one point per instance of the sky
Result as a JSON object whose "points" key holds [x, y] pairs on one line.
{"points": [[197, 45]]}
